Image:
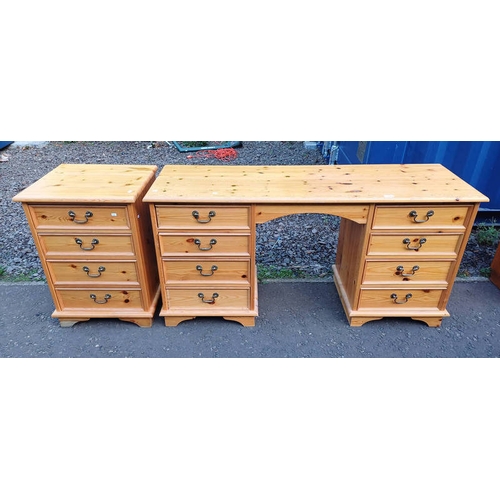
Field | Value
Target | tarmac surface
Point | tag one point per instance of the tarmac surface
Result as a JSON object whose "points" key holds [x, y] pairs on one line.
{"points": [[296, 320]]}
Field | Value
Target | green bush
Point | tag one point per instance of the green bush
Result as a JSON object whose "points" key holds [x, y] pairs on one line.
{"points": [[487, 235]]}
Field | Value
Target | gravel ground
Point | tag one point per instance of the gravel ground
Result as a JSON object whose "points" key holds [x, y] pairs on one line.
{"points": [[294, 246]]}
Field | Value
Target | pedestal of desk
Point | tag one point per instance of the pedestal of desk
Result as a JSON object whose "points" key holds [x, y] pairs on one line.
{"points": [[403, 262]]}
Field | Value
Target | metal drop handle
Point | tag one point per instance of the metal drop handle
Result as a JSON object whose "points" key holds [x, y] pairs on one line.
{"points": [[100, 270], [94, 242], [414, 214], [213, 241], [94, 298], [213, 269], [88, 214], [210, 301], [196, 215], [407, 242], [394, 298], [400, 271]]}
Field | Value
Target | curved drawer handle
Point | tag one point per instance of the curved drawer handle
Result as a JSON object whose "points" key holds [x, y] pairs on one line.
{"points": [[213, 269], [407, 242], [400, 271], [210, 301], [100, 270], [414, 214], [213, 241], [94, 242], [88, 214], [394, 298], [196, 215], [94, 298]]}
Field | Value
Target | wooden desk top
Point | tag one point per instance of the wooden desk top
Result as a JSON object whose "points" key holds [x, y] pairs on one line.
{"points": [[417, 183], [89, 183]]}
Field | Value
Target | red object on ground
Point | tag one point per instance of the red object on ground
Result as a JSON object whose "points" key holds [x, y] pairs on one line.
{"points": [[225, 154]]}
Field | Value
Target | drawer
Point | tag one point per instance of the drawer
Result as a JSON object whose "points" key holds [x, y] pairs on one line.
{"points": [[100, 299], [87, 246], [430, 217], [48, 217], [399, 271], [405, 244], [205, 244], [210, 217], [213, 299], [203, 271], [93, 273], [399, 299]]}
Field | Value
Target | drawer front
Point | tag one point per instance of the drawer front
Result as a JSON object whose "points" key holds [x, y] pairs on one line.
{"points": [[213, 299], [206, 271], [435, 272], [87, 246], [443, 245], [100, 299], [399, 299], [70, 216], [94, 272], [209, 217], [205, 244], [417, 217]]}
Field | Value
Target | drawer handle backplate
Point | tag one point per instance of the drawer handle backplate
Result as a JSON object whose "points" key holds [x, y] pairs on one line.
{"points": [[212, 270], [213, 241], [209, 301], [196, 215], [94, 242], [400, 271], [94, 298], [414, 214], [100, 270], [88, 214], [407, 242], [394, 298]]}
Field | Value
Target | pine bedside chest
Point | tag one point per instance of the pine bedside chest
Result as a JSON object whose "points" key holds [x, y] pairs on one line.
{"points": [[93, 236], [403, 232]]}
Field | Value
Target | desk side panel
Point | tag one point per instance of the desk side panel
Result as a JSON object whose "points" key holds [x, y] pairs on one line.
{"points": [[353, 239]]}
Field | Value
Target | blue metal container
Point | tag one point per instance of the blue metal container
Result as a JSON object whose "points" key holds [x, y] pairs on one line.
{"points": [[476, 162]]}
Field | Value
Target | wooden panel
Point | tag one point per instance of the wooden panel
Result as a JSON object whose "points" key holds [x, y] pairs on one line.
{"points": [[184, 244], [99, 272], [227, 299], [443, 245], [355, 212], [495, 268], [181, 217], [423, 183], [377, 299], [108, 245], [81, 299], [349, 262], [144, 249], [185, 271], [387, 272], [48, 217], [90, 184], [443, 217]]}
